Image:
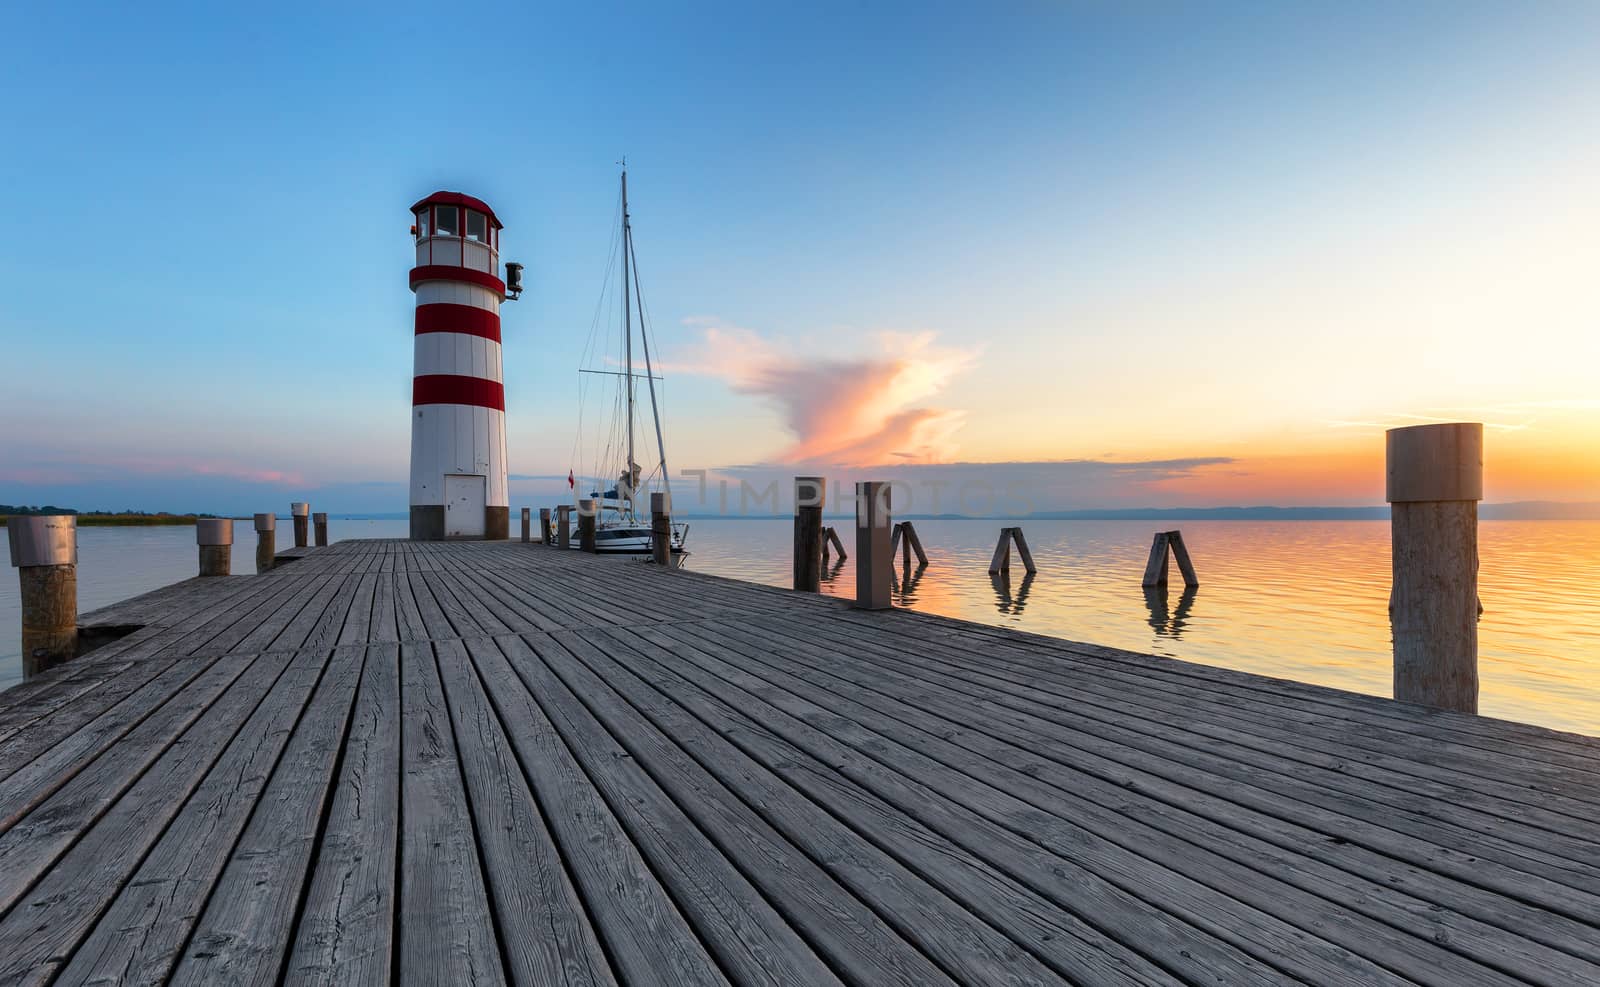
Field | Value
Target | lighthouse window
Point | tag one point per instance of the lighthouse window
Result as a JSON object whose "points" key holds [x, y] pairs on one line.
{"points": [[477, 226], [422, 223], [444, 218]]}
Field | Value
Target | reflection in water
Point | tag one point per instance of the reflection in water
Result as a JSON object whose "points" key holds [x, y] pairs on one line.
{"points": [[830, 574], [1162, 621], [1005, 602], [905, 585]]}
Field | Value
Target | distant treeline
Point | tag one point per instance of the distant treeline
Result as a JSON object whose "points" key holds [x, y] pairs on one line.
{"points": [[101, 518]]}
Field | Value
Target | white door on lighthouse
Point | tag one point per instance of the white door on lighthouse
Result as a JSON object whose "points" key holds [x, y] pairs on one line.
{"points": [[464, 498]]}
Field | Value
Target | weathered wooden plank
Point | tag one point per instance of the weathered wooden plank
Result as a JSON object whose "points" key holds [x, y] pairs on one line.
{"points": [[447, 933], [1112, 808], [525, 873], [647, 937], [855, 937], [1296, 952], [196, 799], [243, 935], [345, 934]]}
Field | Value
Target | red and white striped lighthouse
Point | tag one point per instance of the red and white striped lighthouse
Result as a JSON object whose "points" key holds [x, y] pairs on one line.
{"points": [[458, 413]]}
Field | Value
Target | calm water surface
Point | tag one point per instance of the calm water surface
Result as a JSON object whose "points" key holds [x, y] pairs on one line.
{"points": [[1300, 600]]}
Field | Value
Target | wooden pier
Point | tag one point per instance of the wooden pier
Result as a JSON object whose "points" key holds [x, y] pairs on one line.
{"points": [[483, 763]]}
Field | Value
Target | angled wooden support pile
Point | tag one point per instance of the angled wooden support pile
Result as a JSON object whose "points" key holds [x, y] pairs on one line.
{"points": [[1002, 552], [904, 538], [830, 538], [1155, 571]]}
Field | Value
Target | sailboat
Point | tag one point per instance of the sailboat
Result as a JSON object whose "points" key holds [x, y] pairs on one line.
{"points": [[622, 524]]}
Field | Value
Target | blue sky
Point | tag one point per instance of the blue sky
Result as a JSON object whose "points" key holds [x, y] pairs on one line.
{"points": [[1226, 234]]}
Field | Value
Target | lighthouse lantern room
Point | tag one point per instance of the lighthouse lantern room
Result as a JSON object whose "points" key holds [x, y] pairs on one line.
{"points": [[458, 419]]}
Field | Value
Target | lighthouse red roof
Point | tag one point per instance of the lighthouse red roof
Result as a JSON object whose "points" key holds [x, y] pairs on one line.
{"points": [[443, 198]]}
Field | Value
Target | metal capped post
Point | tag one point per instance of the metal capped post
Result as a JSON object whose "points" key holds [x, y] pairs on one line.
{"points": [[564, 526], [810, 496], [319, 523], [1434, 483], [266, 541], [874, 560], [302, 522], [544, 527], [527, 525], [215, 538], [44, 549], [661, 528], [586, 526]]}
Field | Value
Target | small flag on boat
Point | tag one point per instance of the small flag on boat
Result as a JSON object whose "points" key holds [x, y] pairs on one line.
{"points": [[572, 481]]}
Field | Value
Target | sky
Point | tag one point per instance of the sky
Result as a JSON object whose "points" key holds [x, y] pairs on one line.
{"points": [[1131, 254]]}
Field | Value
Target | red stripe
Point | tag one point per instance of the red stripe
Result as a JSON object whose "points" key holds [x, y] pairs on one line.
{"points": [[449, 272], [447, 317], [456, 389]]}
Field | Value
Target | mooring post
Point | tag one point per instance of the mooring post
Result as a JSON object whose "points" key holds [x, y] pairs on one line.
{"points": [[1001, 561], [319, 522], [661, 528], [301, 512], [810, 496], [564, 525], [44, 548], [586, 519], [544, 527], [1167, 545], [215, 538], [874, 562], [527, 524], [266, 541], [1435, 480]]}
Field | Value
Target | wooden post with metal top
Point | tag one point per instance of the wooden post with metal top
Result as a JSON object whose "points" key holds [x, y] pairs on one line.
{"points": [[266, 541], [810, 496], [586, 526], [661, 528], [44, 549], [215, 538], [527, 524], [319, 523], [564, 526], [1434, 483], [874, 561], [301, 512], [544, 527]]}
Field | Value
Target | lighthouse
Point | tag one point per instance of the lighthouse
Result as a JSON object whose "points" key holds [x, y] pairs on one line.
{"points": [[458, 405]]}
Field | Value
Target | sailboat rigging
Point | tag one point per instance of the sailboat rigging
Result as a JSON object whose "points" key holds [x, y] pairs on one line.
{"points": [[618, 526]]}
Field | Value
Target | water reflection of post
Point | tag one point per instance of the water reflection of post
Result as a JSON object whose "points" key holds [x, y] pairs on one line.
{"points": [[1005, 602], [905, 585], [1162, 621], [830, 573]]}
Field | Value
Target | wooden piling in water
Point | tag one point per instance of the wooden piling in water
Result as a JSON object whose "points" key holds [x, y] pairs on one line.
{"points": [[1001, 561], [873, 558], [1434, 483], [810, 497], [527, 524], [830, 538], [544, 527], [215, 538], [44, 550], [661, 529], [266, 541], [319, 522], [1165, 545], [586, 528], [301, 512], [904, 539]]}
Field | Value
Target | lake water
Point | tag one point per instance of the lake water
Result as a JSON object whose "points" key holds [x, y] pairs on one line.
{"points": [[1301, 600]]}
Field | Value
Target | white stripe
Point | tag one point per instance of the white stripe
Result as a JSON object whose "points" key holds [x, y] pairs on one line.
{"points": [[457, 353], [457, 293]]}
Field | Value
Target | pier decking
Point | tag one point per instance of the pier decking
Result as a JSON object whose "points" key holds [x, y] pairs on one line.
{"points": [[467, 763]]}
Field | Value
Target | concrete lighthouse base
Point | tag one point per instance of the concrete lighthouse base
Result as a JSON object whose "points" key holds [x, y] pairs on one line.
{"points": [[427, 523]]}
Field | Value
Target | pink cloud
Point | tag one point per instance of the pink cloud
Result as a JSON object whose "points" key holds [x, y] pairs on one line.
{"points": [[849, 411]]}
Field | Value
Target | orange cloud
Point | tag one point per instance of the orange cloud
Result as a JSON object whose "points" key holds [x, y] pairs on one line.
{"points": [[855, 411]]}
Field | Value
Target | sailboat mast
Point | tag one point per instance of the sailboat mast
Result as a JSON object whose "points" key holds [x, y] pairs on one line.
{"points": [[627, 336]]}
